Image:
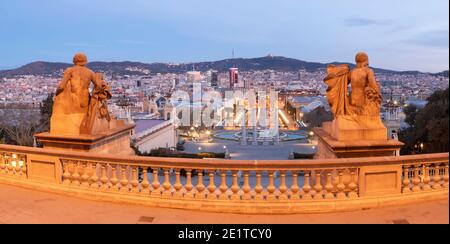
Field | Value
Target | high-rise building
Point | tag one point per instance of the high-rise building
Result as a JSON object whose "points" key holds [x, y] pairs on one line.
{"points": [[234, 77], [214, 79], [193, 76]]}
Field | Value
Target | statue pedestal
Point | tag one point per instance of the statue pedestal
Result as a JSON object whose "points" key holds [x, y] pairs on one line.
{"points": [[347, 138], [350, 128], [115, 141]]}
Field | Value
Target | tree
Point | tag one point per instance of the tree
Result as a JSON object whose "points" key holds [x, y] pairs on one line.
{"points": [[428, 127], [23, 134], [46, 108]]}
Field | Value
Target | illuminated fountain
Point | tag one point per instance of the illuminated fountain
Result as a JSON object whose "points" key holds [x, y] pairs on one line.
{"points": [[263, 130]]}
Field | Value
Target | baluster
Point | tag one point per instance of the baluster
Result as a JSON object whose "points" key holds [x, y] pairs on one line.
{"points": [[318, 186], [445, 185], [246, 187], [155, 184], [258, 187], [353, 184], [406, 181], [9, 166], [189, 187], [212, 186], [167, 191], [223, 186], [234, 186], [436, 177], [17, 170], [271, 187], [24, 167], [329, 187], [416, 179], [294, 189], [307, 187], [123, 178], [145, 184], [200, 186], [13, 164], [66, 173], [134, 179], [177, 186], [75, 175], [426, 178], [114, 180], [283, 188], [103, 178], [94, 179], [84, 175], [341, 186], [3, 163]]}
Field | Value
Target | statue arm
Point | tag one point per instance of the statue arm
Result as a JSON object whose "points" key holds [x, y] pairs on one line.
{"points": [[95, 80], [372, 82], [63, 84]]}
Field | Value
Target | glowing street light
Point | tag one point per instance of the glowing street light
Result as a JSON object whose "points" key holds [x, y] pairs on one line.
{"points": [[311, 133]]}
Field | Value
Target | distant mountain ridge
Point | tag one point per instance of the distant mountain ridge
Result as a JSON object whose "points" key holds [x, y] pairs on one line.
{"points": [[276, 63]]}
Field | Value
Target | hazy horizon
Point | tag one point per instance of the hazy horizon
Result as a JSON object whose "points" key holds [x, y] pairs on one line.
{"points": [[90, 61], [397, 35]]}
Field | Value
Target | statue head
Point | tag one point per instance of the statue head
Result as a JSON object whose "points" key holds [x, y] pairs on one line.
{"points": [[362, 59], [80, 59]]}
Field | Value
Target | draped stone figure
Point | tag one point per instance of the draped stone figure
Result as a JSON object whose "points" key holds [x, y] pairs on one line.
{"points": [[358, 109], [365, 96]]}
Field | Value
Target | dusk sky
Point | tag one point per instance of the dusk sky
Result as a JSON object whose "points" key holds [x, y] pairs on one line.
{"points": [[399, 34]]}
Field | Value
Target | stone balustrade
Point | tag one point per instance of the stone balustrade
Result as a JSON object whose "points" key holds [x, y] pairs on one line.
{"points": [[262, 186]]}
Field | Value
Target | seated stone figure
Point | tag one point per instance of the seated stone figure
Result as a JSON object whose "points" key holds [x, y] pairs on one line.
{"points": [[72, 114], [357, 114]]}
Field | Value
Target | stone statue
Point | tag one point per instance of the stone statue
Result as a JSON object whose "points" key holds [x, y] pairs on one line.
{"points": [[365, 96], [72, 113], [357, 113]]}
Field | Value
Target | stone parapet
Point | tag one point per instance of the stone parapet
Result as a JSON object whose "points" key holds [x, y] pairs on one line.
{"points": [[237, 186]]}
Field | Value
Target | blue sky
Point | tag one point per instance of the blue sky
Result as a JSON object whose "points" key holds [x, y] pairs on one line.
{"points": [[400, 34]]}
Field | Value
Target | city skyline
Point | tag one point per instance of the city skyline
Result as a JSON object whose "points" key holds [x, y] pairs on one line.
{"points": [[412, 36]]}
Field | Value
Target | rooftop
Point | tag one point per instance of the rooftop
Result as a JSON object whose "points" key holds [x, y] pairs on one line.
{"points": [[145, 124]]}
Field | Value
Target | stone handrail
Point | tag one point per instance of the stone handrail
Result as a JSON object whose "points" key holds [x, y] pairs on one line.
{"points": [[249, 186]]}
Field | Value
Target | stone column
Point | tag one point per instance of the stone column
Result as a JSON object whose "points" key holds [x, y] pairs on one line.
{"points": [[255, 139], [277, 128], [243, 129]]}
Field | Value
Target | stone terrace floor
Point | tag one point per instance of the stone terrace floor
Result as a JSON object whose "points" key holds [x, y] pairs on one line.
{"points": [[18, 205]]}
